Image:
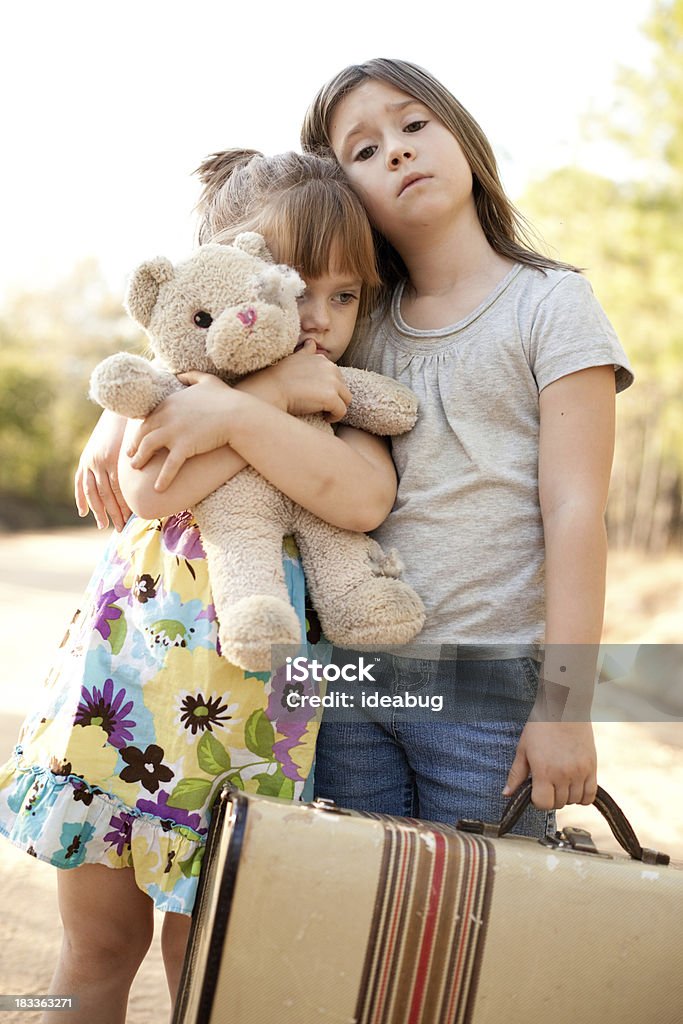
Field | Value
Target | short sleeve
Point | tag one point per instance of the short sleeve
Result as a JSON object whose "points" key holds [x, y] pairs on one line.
{"points": [[571, 332]]}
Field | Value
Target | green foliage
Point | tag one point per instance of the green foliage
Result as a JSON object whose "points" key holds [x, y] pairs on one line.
{"points": [[647, 118], [49, 344], [26, 396], [629, 238]]}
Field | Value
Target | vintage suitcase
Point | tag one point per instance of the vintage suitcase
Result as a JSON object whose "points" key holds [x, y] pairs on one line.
{"points": [[310, 913]]}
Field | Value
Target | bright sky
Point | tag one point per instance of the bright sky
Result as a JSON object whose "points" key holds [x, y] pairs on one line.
{"points": [[109, 106]]}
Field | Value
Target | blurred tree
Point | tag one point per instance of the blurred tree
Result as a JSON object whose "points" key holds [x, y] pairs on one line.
{"points": [[646, 117], [49, 343], [629, 237]]}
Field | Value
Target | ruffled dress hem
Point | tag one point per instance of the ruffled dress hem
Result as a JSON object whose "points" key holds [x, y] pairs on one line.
{"points": [[82, 824]]}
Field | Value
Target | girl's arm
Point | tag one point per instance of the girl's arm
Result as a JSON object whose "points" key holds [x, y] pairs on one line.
{"points": [[96, 484], [575, 458], [323, 472], [294, 384], [198, 477], [202, 474]]}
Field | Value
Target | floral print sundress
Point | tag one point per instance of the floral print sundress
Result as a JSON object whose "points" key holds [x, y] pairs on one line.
{"points": [[142, 720]]}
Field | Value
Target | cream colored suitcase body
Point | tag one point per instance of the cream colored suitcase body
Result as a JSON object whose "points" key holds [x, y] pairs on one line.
{"points": [[310, 914]]}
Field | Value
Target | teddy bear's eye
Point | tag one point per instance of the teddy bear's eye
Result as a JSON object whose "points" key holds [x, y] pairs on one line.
{"points": [[203, 319]]}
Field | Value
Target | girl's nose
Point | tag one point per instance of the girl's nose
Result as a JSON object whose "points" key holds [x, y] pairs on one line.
{"points": [[400, 153], [313, 315]]}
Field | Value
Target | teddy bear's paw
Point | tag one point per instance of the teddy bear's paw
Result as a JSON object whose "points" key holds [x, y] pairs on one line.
{"points": [[384, 564], [126, 384], [251, 627], [383, 611]]}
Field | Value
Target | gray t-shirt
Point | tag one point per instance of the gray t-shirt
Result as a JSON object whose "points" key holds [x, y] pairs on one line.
{"points": [[467, 521]]}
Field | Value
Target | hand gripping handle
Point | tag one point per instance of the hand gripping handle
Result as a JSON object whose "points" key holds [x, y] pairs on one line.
{"points": [[614, 816]]}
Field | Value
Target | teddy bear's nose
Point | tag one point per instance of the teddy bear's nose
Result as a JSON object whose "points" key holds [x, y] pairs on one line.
{"points": [[247, 317]]}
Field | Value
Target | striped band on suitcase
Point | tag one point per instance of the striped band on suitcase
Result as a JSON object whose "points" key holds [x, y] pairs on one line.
{"points": [[422, 959]]}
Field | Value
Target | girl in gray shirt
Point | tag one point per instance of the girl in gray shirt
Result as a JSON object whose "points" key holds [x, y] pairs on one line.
{"points": [[503, 482]]}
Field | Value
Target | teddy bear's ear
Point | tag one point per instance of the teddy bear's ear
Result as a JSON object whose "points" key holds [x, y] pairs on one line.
{"points": [[143, 288], [280, 285], [254, 244]]}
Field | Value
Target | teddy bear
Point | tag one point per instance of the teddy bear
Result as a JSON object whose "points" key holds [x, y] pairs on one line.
{"points": [[230, 310]]}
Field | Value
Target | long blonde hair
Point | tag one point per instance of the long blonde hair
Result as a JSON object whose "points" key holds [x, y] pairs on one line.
{"points": [[301, 203], [506, 230]]}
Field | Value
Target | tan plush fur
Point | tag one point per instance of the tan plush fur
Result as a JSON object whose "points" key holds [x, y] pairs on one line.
{"points": [[229, 310]]}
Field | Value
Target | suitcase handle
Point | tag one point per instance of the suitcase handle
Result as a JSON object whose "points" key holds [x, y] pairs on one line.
{"points": [[608, 807]]}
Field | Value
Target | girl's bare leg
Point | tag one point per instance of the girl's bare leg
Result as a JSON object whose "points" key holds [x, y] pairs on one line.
{"points": [[174, 936], [108, 927]]}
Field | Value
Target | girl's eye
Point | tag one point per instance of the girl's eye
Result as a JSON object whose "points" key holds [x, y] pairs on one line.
{"points": [[414, 126], [365, 153], [344, 298], [203, 319]]}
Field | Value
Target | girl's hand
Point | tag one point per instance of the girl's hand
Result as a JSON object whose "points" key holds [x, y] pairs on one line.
{"points": [[96, 484], [187, 423], [302, 384], [196, 420], [562, 762]]}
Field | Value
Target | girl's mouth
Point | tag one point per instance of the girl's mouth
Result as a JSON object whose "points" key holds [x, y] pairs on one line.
{"points": [[411, 179], [319, 350]]}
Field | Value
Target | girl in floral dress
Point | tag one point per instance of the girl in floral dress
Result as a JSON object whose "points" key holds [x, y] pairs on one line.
{"points": [[142, 720]]}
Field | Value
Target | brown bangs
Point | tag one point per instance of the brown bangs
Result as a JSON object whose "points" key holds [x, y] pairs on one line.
{"points": [[319, 227], [301, 203]]}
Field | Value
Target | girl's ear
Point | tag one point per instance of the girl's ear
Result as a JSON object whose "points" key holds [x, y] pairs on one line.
{"points": [[254, 244], [143, 288]]}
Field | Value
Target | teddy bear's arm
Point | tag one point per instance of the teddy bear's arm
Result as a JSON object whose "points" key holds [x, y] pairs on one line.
{"points": [[379, 404], [130, 385]]}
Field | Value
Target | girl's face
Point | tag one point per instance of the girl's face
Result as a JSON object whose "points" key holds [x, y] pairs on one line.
{"points": [[405, 165], [328, 310]]}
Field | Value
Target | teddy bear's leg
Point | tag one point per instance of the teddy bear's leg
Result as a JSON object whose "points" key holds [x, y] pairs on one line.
{"points": [[354, 586], [242, 529]]}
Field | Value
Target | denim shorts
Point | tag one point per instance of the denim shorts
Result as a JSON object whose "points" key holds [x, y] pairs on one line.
{"points": [[428, 739]]}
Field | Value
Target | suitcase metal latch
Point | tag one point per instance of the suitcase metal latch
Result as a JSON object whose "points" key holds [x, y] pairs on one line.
{"points": [[579, 839], [574, 840], [323, 803]]}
